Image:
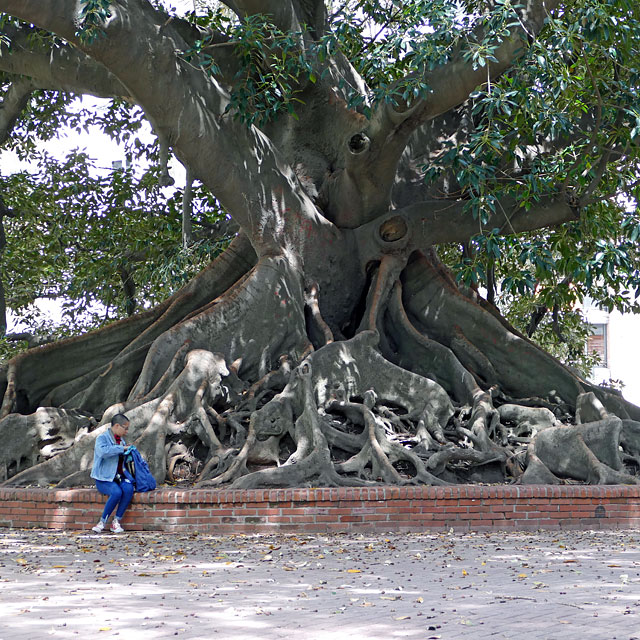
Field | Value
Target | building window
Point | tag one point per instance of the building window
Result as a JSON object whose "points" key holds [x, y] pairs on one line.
{"points": [[597, 342]]}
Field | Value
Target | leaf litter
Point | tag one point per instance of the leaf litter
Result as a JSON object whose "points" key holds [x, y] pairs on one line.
{"points": [[431, 582]]}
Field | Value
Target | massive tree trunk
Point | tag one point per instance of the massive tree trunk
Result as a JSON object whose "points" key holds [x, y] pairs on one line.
{"points": [[328, 345]]}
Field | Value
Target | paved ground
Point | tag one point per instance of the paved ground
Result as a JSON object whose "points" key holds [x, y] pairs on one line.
{"points": [[556, 585]]}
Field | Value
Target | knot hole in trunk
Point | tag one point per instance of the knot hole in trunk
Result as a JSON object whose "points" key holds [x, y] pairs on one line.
{"points": [[394, 233], [359, 143]]}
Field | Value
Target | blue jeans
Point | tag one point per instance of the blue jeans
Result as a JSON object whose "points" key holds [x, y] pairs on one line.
{"points": [[120, 495]]}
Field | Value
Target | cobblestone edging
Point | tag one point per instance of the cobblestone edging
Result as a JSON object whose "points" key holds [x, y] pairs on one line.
{"points": [[464, 507]]}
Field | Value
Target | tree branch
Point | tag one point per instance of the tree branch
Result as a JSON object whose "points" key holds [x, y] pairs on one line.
{"points": [[14, 101], [313, 13], [3, 309], [57, 16], [187, 210], [63, 68], [438, 222], [452, 83], [390, 128], [231, 5], [252, 182], [3, 243], [280, 12], [31, 339]]}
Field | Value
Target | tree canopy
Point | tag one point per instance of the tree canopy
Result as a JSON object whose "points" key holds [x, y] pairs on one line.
{"points": [[384, 164]]}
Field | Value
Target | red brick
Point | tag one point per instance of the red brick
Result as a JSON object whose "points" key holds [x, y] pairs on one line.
{"points": [[366, 508], [501, 508], [295, 512]]}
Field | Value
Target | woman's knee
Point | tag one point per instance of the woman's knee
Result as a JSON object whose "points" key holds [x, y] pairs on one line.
{"points": [[115, 490], [127, 489]]}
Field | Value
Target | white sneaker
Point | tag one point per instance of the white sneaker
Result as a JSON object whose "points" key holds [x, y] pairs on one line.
{"points": [[99, 528], [116, 527]]}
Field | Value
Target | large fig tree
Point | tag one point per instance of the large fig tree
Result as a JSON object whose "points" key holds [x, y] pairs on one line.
{"points": [[360, 147]]}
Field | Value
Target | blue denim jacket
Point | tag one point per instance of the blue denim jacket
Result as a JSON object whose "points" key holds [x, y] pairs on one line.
{"points": [[105, 456]]}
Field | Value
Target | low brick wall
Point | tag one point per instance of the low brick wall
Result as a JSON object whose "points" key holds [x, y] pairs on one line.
{"points": [[465, 508]]}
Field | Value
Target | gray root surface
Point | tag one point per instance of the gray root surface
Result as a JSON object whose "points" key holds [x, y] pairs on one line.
{"points": [[395, 404]]}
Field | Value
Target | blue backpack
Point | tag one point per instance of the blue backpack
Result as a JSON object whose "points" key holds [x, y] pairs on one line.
{"points": [[137, 471]]}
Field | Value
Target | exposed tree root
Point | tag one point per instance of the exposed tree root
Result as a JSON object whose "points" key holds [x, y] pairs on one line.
{"points": [[95, 370], [318, 330], [40, 435], [233, 324], [420, 395], [587, 452], [379, 451], [485, 347], [180, 411], [427, 357]]}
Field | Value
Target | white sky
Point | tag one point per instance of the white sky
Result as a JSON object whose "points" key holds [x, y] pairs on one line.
{"points": [[95, 143]]}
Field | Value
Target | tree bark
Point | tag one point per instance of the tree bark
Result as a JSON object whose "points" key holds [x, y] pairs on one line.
{"points": [[328, 345]]}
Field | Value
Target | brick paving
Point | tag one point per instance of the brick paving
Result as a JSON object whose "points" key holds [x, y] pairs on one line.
{"points": [[555, 585]]}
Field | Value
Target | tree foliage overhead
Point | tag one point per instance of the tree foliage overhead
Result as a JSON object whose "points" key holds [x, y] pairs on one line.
{"points": [[78, 231], [360, 147]]}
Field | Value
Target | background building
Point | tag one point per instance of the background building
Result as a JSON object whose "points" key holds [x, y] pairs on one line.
{"points": [[616, 338]]}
